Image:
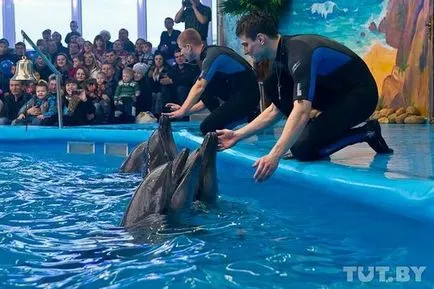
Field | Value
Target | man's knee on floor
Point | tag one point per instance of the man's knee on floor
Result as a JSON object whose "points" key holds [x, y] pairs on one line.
{"points": [[303, 151]]}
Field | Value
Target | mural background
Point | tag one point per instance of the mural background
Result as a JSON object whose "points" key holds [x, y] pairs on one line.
{"points": [[390, 35]]}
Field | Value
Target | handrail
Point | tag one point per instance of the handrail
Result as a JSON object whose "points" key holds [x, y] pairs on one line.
{"points": [[55, 71]]}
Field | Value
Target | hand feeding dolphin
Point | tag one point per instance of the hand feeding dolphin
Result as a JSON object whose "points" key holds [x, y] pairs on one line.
{"points": [[175, 185]]}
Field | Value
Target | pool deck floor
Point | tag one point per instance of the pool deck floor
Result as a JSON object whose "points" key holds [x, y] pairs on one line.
{"points": [[402, 182]]}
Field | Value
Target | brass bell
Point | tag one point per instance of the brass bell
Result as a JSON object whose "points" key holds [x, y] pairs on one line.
{"points": [[24, 70]]}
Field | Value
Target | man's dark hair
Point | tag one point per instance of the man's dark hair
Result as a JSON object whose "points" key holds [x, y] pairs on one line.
{"points": [[256, 22]]}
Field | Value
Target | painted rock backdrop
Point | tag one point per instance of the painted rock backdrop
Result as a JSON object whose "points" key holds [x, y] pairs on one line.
{"points": [[390, 35]]}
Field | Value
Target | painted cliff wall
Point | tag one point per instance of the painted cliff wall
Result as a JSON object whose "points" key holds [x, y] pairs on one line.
{"points": [[390, 35]]}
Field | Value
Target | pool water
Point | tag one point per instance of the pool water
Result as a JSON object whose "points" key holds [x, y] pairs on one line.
{"points": [[59, 216]]}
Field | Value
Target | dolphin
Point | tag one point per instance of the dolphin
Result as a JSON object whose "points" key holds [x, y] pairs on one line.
{"points": [[207, 189], [166, 189], [159, 149], [161, 146], [173, 185], [136, 159]]}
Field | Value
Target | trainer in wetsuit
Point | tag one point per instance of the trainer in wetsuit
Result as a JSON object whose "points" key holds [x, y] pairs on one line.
{"points": [[310, 73], [227, 85]]}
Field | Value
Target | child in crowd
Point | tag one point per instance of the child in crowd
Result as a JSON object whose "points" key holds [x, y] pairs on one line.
{"points": [[125, 96], [78, 109], [40, 109], [147, 57], [101, 103]]}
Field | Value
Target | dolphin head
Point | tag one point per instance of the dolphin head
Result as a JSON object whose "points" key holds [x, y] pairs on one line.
{"points": [[207, 189], [136, 159], [165, 124], [178, 167], [166, 135], [187, 183], [209, 145]]}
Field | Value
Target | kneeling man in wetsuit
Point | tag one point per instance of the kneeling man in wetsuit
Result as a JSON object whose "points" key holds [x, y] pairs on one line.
{"points": [[309, 72], [227, 85]]}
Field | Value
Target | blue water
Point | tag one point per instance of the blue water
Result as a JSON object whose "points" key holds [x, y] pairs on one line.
{"points": [[59, 217]]}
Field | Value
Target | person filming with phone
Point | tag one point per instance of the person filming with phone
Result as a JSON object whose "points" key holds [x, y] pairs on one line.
{"points": [[195, 15]]}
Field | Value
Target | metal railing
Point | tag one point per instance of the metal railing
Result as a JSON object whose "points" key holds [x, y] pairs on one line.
{"points": [[55, 71]]}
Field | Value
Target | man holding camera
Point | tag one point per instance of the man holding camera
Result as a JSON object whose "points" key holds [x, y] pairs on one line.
{"points": [[196, 16]]}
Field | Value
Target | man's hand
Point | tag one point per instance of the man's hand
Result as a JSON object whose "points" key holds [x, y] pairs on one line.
{"points": [[173, 106], [226, 138], [34, 111], [176, 111], [265, 167], [180, 113], [41, 116]]}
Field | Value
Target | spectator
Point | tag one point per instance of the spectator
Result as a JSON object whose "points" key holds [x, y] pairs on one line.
{"points": [[74, 49], [58, 40], [13, 102], [157, 77], [112, 58], [125, 96], [78, 109], [147, 57], [63, 65], [51, 50], [40, 109], [42, 68], [130, 60], [111, 82], [144, 101], [30, 87], [168, 39], [139, 47], [91, 64], [118, 48], [74, 31], [81, 75], [46, 34], [106, 37], [99, 48], [183, 76], [20, 49], [101, 102], [196, 16], [40, 43], [88, 47], [126, 43], [5, 53], [77, 61]]}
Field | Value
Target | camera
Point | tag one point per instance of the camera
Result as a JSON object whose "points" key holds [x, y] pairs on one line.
{"points": [[186, 3]]}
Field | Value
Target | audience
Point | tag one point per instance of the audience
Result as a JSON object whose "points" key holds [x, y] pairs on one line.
{"points": [[101, 81]]}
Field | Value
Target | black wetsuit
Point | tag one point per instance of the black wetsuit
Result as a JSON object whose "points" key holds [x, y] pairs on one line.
{"points": [[334, 79], [232, 92]]}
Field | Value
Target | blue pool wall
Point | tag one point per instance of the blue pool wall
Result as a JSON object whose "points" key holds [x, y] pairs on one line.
{"points": [[409, 197]]}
